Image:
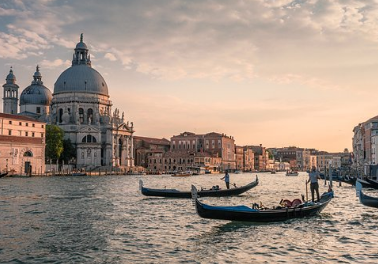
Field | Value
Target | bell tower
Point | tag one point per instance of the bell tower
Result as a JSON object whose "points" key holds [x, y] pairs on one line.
{"points": [[10, 97]]}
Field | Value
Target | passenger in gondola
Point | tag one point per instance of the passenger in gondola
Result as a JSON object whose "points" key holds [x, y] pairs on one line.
{"points": [[314, 185], [226, 179]]}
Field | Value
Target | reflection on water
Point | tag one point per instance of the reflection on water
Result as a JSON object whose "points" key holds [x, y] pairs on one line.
{"points": [[107, 220]]}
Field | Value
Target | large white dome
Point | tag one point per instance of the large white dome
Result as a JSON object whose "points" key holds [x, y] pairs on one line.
{"points": [[81, 78]]}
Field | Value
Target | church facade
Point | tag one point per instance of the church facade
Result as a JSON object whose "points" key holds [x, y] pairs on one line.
{"points": [[80, 104]]}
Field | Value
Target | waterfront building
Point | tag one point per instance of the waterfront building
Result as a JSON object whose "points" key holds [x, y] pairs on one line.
{"points": [[248, 159], [215, 144], [261, 157], [365, 145], [22, 144], [239, 158], [147, 150], [358, 152], [81, 106]]}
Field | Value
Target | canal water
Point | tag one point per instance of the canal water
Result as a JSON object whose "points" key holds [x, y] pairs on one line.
{"points": [[105, 219]]}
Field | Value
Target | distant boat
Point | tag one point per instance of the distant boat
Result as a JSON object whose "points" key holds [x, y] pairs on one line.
{"points": [[79, 174], [182, 174], [238, 172], [273, 172], [213, 192], [292, 173]]}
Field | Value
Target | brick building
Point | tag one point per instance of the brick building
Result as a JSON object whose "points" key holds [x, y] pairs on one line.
{"points": [[22, 144]]}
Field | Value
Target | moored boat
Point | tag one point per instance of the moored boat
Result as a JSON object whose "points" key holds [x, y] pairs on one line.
{"points": [[365, 199], [373, 184], [292, 173], [213, 192], [182, 174], [245, 213], [3, 174]]}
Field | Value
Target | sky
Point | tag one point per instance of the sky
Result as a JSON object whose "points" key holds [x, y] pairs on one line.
{"points": [[277, 73]]}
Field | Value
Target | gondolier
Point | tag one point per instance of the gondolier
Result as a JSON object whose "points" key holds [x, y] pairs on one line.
{"points": [[226, 179], [314, 186]]}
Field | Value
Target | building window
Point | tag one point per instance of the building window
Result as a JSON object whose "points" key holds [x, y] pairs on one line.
{"points": [[90, 116], [10, 132], [20, 123], [28, 154], [42, 126], [10, 122], [81, 115], [27, 124], [26, 134], [38, 110], [60, 115], [41, 134], [32, 134], [89, 139]]}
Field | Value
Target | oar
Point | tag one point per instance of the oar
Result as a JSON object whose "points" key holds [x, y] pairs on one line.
{"points": [[306, 191]]}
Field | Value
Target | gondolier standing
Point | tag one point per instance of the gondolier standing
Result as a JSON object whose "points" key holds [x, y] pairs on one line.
{"points": [[226, 179], [314, 186]]}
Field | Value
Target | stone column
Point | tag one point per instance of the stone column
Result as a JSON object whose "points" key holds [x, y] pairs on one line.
{"points": [[132, 151]]}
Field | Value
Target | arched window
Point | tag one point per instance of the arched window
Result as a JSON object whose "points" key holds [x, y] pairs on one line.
{"points": [[60, 115], [28, 154], [90, 115], [89, 139], [81, 115]]}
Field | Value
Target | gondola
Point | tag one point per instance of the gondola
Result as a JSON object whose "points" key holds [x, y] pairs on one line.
{"points": [[365, 199], [364, 183], [173, 193], [373, 184], [3, 174], [245, 213], [348, 179]]}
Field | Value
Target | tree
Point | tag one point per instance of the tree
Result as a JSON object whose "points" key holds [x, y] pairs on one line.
{"points": [[69, 151], [54, 142]]}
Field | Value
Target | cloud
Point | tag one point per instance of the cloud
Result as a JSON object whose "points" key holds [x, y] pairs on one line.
{"points": [[110, 57], [54, 64]]}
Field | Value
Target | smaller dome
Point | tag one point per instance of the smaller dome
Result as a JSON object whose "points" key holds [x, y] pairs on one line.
{"points": [[81, 45], [37, 74], [36, 94], [11, 78]]}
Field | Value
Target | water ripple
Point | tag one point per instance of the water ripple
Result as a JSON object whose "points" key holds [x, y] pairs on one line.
{"points": [[106, 220]]}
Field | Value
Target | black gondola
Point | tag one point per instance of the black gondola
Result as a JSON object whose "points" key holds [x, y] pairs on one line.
{"points": [[373, 184], [245, 213], [365, 199], [173, 193], [3, 174], [348, 179], [364, 183]]}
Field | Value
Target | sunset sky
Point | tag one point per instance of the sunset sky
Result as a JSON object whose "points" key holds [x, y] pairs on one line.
{"points": [[278, 73]]}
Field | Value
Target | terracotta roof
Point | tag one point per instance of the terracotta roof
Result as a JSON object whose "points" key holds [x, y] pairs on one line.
{"points": [[17, 139], [20, 117], [158, 141]]}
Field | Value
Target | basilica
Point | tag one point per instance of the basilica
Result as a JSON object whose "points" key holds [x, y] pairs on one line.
{"points": [[80, 105]]}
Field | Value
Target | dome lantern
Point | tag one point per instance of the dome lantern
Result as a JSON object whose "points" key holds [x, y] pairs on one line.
{"points": [[11, 78], [81, 55]]}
